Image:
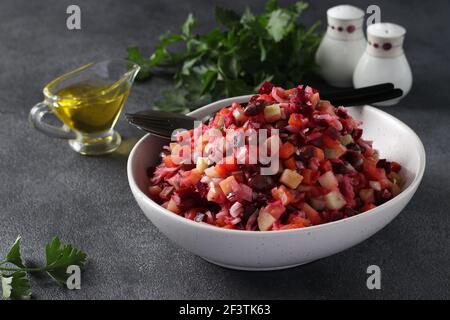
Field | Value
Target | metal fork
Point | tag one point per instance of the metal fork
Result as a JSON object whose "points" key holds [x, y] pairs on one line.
{"points": [[163, 123]]}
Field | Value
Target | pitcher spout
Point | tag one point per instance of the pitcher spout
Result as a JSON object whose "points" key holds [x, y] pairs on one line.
{"points": [[133, 70]]}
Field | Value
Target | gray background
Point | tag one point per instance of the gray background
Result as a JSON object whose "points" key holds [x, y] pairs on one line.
{"points": [[46, 189]]}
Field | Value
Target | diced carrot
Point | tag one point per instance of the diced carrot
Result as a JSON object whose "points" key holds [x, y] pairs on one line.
{"points": [[309, 176], [228, 164], [168, 161], [290, 163], [296, 120], [221, 170], [287, 150], [328, 142]]}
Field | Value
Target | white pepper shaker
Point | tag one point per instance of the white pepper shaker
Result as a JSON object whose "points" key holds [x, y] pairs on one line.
{"points": [[384, 60], [342, 45]]}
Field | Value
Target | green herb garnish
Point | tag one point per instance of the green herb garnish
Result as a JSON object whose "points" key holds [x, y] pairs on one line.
{"points": [[14, 274], [234, 59]]}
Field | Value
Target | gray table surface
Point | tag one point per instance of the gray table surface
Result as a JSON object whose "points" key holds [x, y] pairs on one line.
{"points": [[46, 189]]}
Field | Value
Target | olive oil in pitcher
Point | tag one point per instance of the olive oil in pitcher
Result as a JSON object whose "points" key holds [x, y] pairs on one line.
{"points": [[88, 101], [91, 107]]}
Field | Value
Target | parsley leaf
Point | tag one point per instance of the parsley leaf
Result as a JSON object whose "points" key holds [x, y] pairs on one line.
{"points": [[14, 273], [16, 286], [59, 258], [13, 255]]}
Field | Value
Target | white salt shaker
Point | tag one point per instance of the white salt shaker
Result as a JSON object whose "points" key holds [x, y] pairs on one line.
{"points": [[384, 60], [342, 45]]}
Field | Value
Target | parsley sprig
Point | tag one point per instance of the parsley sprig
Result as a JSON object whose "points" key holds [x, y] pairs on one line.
{"points": [[14, 273], [234, 58]]}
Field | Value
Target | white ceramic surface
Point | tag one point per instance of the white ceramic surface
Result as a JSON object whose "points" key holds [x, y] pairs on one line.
{"points": [[384, 60], [271, 250], [342, 45]]}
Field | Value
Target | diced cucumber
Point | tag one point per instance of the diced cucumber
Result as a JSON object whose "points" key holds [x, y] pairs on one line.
{"points": [[347, 139]]}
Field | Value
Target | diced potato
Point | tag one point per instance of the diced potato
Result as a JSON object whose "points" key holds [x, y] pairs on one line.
{"points": [[239, 114], [328, 180], [311, 214], [172, 145], [227, 184], [291, 178], [202, 164], [212, 172], [172, 206], [215, 194], [315, 99], [265, 220], [334, 200], [272, 113], [276, 209], [334, 153], [375, 185], [269, 144]]}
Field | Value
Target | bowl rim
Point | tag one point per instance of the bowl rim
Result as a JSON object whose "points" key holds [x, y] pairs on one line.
{"points": [[225, 102]]}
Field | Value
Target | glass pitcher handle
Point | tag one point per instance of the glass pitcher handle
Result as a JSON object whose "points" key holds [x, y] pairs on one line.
{"points": [[36, 118]]}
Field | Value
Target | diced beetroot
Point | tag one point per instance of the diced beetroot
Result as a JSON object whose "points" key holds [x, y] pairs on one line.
{"points": [[266, 88], [246, 193]]}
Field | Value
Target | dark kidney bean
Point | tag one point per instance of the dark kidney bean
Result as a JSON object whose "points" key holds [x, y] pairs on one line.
{"points": [[353, 146], [252, 109], [333, 133], [261, 183], [339, 167], [382, 196], [349, 212], [354, 158], [384, 164], [356, 134], [341, 113]]}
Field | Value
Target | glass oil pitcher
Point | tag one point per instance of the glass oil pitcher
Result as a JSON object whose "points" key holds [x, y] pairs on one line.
{"points": [[88, 102]]}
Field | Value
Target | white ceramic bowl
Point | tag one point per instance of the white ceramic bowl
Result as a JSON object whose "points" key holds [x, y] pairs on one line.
{"points": [[270, 250]]}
